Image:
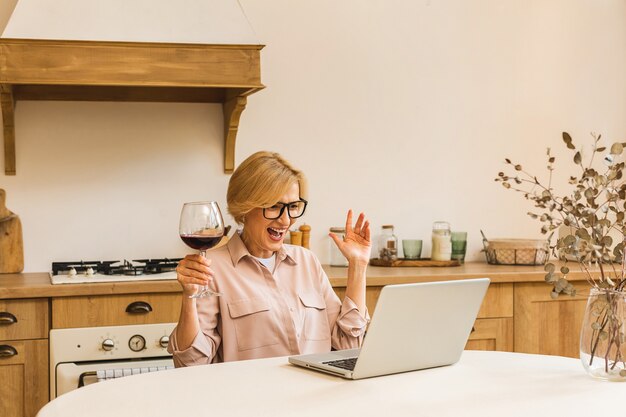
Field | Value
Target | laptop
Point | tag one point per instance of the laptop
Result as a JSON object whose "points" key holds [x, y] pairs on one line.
{"points": [[416, 326]]}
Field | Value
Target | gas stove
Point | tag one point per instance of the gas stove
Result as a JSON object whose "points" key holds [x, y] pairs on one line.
{"points": [[77, 272]]}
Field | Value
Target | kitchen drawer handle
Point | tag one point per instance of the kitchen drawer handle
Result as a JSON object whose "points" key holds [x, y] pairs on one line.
{"points": [[6, 351], [7, 318], [139, 307]]}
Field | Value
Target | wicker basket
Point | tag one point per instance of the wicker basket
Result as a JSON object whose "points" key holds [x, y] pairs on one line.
{"points": [[516, 251]]}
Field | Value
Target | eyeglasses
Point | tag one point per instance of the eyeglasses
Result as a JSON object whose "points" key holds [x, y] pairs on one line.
{"points": [[295, 209]]}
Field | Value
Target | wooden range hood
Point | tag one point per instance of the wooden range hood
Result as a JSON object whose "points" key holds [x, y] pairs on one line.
{"points": [[127, 71]]}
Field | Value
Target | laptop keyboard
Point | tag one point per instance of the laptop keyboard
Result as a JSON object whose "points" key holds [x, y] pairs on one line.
{"points": [[347, 364]]}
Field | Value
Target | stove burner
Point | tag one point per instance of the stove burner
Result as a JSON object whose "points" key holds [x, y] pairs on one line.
{"points": [[131, 268], [106, 267], [127, 268], [157, 266]]}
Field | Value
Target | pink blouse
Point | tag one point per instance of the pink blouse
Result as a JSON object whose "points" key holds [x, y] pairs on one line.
{"points": [[263, 314]]}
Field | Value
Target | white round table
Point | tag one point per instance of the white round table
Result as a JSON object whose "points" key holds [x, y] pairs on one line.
{"points": [[481, 384]]}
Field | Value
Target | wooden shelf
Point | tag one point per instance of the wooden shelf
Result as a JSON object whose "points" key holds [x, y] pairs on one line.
{"points": [[127, 71]]}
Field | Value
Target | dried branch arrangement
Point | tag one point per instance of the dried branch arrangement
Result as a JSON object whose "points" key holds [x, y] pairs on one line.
{"points": [[594, 209]]}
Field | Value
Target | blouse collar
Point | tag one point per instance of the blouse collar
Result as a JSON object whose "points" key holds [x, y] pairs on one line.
{"points": [[238, 250]]}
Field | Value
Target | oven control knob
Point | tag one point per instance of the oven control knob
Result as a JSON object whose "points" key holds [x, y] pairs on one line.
{"points": [[108, 344], [164, 341]]}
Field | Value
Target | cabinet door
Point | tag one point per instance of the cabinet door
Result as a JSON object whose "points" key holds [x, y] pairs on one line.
{"points": [[498, 302], [23, 377], [547, 326], [491, 334], [115, 310]]}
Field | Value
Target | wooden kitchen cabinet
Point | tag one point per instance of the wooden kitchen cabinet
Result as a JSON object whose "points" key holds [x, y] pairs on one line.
{"points": [[498, 302], [548, 326], [491, 334], [115, 310], [24, 376], [23, 357], [24, 319], [493, 329]]}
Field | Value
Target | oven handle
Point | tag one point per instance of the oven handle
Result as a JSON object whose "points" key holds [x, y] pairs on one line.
{"points": [[7, 318], [6, 351], [81, 378], [139, 307]]}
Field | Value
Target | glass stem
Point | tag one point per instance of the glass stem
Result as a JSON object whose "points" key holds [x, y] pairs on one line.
{"points": [[203, 254]]}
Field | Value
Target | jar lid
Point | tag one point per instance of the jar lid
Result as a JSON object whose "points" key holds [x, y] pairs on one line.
{"points": [[338, 229], [387, 226]]}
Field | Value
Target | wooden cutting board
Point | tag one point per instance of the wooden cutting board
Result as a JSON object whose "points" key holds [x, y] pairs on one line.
{"points": [[11, 241], [413, 262]]}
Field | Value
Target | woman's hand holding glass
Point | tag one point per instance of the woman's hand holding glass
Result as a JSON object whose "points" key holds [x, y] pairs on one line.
{"points": [[192, 271], [201, 227], [356, 246]]}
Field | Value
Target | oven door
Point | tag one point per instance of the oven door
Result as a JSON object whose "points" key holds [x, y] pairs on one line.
{"points": [[70, 376]]}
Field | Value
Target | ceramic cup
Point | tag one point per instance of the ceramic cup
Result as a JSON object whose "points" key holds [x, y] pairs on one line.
{"points": [[412, 248]]}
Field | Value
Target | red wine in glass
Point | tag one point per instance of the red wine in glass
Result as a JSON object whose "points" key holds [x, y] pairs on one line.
{"points": [[201, 228], [201, 242]]}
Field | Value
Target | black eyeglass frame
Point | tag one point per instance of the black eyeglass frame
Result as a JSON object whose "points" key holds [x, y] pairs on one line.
{"points": [[282, 210]]}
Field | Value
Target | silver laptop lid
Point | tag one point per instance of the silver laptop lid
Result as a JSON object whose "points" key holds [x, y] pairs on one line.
{"points": [[419, 326]]}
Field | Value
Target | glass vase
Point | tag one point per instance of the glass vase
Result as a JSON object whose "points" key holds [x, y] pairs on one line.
{"points": [[602, 337]]}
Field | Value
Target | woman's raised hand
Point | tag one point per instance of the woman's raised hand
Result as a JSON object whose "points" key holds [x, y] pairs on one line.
{"points": [[192, 271], [356, 246]]}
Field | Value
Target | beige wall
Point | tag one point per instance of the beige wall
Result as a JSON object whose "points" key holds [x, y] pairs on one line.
{"points": [[403, 109], [200, 21]]}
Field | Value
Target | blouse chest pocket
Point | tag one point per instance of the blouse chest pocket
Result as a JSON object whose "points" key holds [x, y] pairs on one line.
{"points": [[315, 317], [253, 323]]}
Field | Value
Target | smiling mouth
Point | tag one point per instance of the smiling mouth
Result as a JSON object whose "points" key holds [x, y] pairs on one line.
{"points": [[276, 234]]}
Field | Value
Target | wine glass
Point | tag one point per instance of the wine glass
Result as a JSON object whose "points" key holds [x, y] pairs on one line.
{"points": [[201, 227]]}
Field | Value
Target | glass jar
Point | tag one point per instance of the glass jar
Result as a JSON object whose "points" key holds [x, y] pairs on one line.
{"points": [[388, 249], [442, 243], [336, 257]]}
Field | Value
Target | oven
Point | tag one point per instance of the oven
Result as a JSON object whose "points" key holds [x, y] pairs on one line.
{"points": [[83, 356]]}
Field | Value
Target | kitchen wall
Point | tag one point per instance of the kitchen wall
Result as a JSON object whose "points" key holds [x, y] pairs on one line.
{"points": [[404, 110]]}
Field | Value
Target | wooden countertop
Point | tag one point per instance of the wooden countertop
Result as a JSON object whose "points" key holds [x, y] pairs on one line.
{"points": [[36, 285], [378, 275]]}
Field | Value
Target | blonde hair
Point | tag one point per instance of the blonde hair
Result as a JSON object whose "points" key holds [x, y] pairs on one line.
{"points": [[260, 181]]}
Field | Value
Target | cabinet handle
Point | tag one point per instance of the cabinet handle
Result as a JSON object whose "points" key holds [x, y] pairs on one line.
{"points": [[6, 351], [7, 318], [139, 307], [473, 329]]}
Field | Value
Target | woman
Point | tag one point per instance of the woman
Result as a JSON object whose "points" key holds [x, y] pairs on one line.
{"points": [[276, 300]]}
